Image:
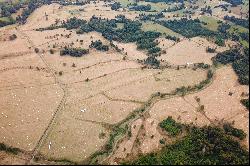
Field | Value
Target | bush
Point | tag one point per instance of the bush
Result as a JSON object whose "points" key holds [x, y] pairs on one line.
{"points": [[245, 102], [99, 45], [171, 126], [230, 130], [51, 51], [9, 149], [75, 52], [210, 50], [13, 37]]}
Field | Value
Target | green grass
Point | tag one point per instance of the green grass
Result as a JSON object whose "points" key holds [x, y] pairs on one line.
{"points": [[150, 26], [120, 25], [244, 43], [238, 28], [212, 23], [5, 19]]}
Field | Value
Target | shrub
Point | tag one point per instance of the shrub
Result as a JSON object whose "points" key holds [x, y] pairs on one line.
{"points": [[230, 130], [9, 149], [245, 102], [75, 52], [171, 126]]}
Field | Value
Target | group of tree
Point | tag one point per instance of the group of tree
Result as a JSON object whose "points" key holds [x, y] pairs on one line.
{"points": [[75, 52], [208, 145], [192, 28], [239, 60], [188, 28], [207, 9], [99, 45], [130, 32], [137, 7], [245, 102], [175, 8], [31, 7], [238, 21], [174, 38], [8, 8], [152, 61], [116, 6], [230, 130], [151, 17], [171, 126], [210, 50], [235, 2]]}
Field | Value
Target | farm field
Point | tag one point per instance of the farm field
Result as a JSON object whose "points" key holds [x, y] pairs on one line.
{"points": [[82, 82]]}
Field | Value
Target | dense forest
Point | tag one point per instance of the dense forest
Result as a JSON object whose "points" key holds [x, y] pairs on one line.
{"points": [[209, 145], [239, 60], [190, 28], [238, 21]]}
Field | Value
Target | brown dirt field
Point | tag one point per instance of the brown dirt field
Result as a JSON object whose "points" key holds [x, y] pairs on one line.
{"points": [[73, 139], [38, 19], [164, 44], [24, 111], [47, 39], [99, 108], [219, 105], [10, 48], [126, 146], [14, 78], [131, 50], [9, 159], [152, 136], [56, 11], [165, 82], [188, 51], [102, 10]]}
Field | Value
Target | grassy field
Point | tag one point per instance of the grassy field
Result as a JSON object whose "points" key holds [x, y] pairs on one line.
{"points": [[212, 23], [239, 29], [155, 6], [150, 26]]}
